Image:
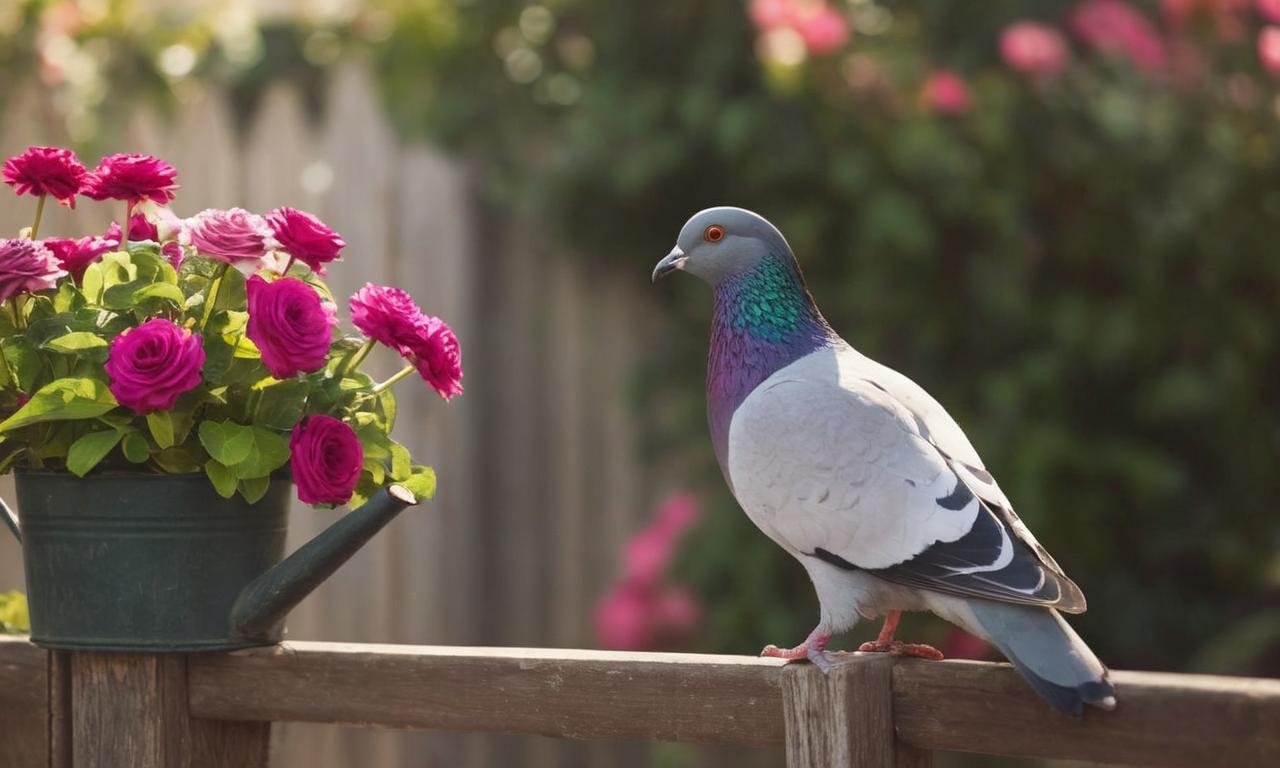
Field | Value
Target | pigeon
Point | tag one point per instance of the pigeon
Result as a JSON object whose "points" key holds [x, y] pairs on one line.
{"points": [[859, 474]]}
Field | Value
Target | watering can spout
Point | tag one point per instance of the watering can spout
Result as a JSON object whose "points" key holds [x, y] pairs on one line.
{"points": [[262, 605]]}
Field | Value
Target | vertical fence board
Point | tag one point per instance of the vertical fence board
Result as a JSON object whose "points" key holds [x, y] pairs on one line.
{"points": [[842, 718]]}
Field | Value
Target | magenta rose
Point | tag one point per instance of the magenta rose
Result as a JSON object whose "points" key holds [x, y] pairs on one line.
{"points": [[291, 325], [436, 355], [946, 93], [151, 365], [235, 236], [326, 459], [75, 256], [51, 171], [133, 178], [27, 266], [1034, 49], [141, 228], [387, 315], [305, 238]]}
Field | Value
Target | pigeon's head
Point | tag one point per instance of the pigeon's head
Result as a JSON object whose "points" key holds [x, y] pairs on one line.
{"points": [[718, 243]]}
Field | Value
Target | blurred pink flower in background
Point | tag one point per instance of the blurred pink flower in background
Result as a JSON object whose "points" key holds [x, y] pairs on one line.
{"points": [[1117, 28], [770, 14], [962, 645], [1269, 49], [641, 611], [1270, 10], [1227, 15], [1034, 49], [824, 30], [946, 93]]}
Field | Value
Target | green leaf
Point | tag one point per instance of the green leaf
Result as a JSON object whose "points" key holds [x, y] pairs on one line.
{"points": [[25, 360], [280, 403], [76, 341], [136, 448], [161, 424], [422, 483], [224, 482], [254, 488], [377, 472], [167, 291], [178, 460], [227, 442], [401, 462], [61, 399], [86, 452], [269, 452]]}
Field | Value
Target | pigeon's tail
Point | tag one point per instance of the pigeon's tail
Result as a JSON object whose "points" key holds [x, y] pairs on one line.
{"points": [[1048, 653]]}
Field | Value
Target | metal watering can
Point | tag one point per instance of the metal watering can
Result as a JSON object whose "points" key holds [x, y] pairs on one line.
{"points": [[125, 561]]}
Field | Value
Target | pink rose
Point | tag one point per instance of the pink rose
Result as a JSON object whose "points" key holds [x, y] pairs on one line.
{"points": [[678, 513], [647, 556], [173, 252], [75, 256], [48, 171], [677, 611], [326, 459], [291, 325], [1269, 49], [133, 178], [946, 93], [235, 236], [141, 228], [823, 30], [624, 619], [387, 315], [435, 353], [305, 238], [1117, 28], [26, 266], [151, 365], [1270, 10], [1033, 49], [771, 14]]}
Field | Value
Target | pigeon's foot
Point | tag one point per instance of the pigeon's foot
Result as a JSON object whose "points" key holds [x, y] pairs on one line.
{"points": [[899, 648], [814, 648]]}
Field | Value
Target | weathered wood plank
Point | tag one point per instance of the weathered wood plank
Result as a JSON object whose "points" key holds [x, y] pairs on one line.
{"points": [[840, 718], [131, 710], [24, 704], [570, 694], [1162, 719]]}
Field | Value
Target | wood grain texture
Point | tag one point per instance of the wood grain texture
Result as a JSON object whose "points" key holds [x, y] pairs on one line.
{"points": [[1161, 720], [569, 694], [24, 703], [131, 710], [840, 718]]}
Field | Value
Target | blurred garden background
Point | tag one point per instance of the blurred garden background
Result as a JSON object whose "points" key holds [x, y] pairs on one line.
{"points": [[1059, 217]]}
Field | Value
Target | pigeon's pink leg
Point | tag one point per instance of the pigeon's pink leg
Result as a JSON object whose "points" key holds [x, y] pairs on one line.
{"points": [[886, 644], [813, 648]]}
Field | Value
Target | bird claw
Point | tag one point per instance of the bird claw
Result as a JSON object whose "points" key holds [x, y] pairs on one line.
{"points": [[899, 648]]}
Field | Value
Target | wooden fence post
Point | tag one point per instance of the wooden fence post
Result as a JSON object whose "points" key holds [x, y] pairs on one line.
{"points": [[844, 718], [131, 710]]}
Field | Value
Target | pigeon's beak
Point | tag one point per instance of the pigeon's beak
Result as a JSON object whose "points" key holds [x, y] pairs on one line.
{"points": [[670, 263]]}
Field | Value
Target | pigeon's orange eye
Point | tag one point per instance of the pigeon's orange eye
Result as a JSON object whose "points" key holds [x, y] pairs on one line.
{"points": [[713, 233]]}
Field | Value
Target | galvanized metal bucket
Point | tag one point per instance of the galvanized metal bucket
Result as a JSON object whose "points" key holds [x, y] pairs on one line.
{"points": [[125, 561]]}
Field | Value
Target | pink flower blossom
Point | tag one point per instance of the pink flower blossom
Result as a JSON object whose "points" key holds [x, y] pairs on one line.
{"points": [[75, 256], [946, 93], [677, 611], [26, 266], [624, 619], [325, 458], [771, 14], [387, 315], [151, 365], [962, 645], [1269, 10], [141, 228], [305, 238], [647, 556], [1033, 49], [46, 171], [131, 177], [1114, 27], [1269, 49], [678, 512], [823, 30], [437, 356], [290, 324], [173, 252], [235, 236]]}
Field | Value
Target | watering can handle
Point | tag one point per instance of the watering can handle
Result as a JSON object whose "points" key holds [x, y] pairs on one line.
{"points": [[10, 520]]}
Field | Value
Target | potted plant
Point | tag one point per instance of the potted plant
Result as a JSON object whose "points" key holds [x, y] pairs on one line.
{"points": [[166, 387]]}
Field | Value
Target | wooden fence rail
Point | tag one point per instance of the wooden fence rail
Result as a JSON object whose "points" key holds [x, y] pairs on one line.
{"points": [[86, 710]]}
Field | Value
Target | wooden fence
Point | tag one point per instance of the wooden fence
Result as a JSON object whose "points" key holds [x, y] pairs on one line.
{"points": [[539, 485], [86, 710]]}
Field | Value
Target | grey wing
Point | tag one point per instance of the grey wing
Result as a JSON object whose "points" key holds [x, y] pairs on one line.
{"points": [[842, 472]]}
